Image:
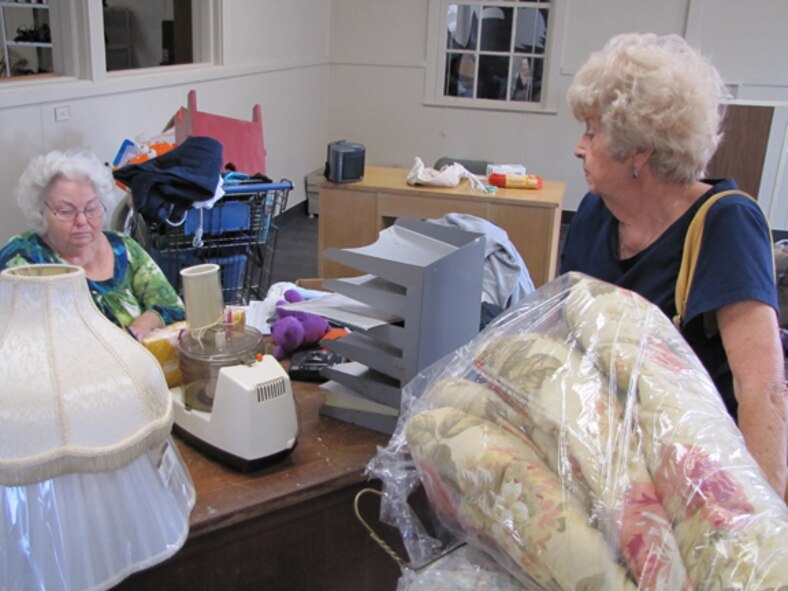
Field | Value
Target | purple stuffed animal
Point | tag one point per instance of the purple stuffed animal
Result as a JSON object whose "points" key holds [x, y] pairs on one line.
{"points": [[293, 329]]}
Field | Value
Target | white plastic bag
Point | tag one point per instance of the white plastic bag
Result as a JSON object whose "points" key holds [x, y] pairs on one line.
{"points": [[448, 176]]}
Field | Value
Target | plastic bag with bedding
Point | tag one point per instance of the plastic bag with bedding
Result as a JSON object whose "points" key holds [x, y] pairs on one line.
{"points": [[580, 443]]}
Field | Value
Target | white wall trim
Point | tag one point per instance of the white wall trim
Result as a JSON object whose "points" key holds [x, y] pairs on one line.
{"points": [[62, 88], [392, 63]]}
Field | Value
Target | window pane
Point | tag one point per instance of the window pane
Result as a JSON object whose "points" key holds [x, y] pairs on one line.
{"points": [[493, 77], [460, 74], [462, 22], [494, 51], [531, 33], [525, 84], [25, 40], [147, 33], [496, 29]]}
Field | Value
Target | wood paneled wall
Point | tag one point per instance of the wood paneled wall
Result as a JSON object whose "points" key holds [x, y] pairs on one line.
{"points": [[743, 150]]}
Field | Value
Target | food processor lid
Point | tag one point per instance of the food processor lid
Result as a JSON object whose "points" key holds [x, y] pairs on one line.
{"points": [[221, 344]]}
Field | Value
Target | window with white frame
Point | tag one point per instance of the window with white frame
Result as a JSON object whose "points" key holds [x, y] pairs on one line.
{"points": [[25, 39], [147, 33], [62, 38], [491, 52]]}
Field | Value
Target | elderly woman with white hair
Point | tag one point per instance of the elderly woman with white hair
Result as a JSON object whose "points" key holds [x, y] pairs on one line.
{"points": [[62, 196], [652, 108]]}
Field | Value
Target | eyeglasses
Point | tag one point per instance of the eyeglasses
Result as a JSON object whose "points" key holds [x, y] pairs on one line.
{"points": [[69, 214]]}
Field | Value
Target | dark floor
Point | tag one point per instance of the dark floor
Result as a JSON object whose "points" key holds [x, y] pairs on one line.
{"points": [[295, 256]]}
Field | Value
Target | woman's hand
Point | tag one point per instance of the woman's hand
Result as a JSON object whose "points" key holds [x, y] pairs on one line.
{"points": [[144, 324]]}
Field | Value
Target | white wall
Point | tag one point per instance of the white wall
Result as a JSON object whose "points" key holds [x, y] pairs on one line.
{"points": [[773, 194], [331, 69]]}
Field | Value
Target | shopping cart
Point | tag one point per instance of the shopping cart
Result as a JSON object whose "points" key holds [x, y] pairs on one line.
{"points": [[238, 233]]}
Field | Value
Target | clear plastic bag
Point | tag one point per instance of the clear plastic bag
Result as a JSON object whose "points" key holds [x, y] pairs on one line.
{"points": [[91, 530], [580, 443], [464, 569]]}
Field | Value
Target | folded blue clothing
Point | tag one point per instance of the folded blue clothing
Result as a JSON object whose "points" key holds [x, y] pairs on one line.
{"points": [[164, 188]]}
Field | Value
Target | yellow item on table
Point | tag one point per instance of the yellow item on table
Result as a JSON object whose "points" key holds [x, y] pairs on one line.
{"points": [[515, 181], [163, 343]]}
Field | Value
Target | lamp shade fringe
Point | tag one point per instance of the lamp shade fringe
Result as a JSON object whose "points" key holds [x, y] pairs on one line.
{"points": [[68, 460]]}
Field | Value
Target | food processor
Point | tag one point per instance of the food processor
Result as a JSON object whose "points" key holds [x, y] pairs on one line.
{"points": [[235, 403]]}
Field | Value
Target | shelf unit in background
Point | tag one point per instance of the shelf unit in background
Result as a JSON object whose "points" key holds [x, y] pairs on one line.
{"points": [[38, 16]]}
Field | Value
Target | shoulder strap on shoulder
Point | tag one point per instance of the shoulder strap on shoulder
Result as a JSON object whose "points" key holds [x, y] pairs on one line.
{"points": [[689, 256]]}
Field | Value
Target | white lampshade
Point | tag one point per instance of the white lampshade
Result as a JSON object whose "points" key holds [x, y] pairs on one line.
{"points": [[91, 487], [79, 394]]}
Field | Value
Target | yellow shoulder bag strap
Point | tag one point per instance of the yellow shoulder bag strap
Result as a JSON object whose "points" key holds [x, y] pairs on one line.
{"points": [[689, 256]]}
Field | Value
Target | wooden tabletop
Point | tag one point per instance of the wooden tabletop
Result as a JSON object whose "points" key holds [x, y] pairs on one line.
{"points": [[330, 454], [387, 179]]}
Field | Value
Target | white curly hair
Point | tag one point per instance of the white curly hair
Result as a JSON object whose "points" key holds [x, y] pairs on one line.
{"points": [[33, 187], [654, 92]]}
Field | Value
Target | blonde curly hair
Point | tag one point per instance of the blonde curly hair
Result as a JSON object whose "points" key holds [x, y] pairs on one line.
{"points": [[654, 92], [33, 187]]}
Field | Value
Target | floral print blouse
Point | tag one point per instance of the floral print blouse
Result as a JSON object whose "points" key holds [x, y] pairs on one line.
{"points": [[137, 284]]}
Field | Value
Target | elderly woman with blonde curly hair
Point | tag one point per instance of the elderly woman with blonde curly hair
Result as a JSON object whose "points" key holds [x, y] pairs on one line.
{"points": [[62, 196], [652, 108]]}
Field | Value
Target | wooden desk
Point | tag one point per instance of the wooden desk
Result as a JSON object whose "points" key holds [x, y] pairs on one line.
{"points": [[353, 214], [289, 526]]}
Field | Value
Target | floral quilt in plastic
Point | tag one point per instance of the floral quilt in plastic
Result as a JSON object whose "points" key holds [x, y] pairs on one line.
{"points": [[581, 444]]}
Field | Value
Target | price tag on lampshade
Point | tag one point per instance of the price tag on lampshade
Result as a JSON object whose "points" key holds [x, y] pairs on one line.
{"points": [[202, 294]]}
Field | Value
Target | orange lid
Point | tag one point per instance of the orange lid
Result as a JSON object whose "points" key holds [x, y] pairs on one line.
{"points": [[497, 179]]}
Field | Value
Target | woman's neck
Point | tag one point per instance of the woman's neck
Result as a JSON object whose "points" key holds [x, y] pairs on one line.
{"points": [[650, 211]]}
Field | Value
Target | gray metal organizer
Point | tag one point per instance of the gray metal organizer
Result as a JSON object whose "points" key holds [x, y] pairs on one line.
{"points": [[429, 278]]}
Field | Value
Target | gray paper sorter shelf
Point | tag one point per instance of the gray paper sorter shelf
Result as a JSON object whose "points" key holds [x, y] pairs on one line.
{"points": [[428, 279]]}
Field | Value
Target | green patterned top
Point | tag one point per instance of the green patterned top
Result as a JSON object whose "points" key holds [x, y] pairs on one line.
{"points": [[137, 284]]}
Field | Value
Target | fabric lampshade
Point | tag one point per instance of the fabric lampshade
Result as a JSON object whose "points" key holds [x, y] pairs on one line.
{"points": [[91, 486], [79, 394]]}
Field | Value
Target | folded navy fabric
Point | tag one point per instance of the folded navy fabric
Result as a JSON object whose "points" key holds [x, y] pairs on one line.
{"points": [[164, 188]]}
